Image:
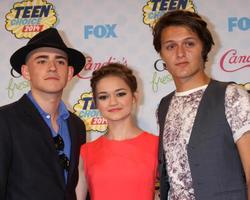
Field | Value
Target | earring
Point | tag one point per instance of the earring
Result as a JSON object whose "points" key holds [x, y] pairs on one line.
{"points": [[165, 66]]}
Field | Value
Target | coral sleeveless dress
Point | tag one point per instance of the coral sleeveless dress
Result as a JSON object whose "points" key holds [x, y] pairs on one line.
{"points": [[121, 170]]}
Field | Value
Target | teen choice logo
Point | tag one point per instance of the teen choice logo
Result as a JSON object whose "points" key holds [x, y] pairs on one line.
{"points": [[27, 18], [86, 110], [156, 8]]}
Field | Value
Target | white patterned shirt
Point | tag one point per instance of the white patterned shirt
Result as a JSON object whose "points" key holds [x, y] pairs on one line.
{"points": [[178, 127]]}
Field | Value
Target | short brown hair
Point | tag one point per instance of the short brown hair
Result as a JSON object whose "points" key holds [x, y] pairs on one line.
{"points": [[184, 18]]}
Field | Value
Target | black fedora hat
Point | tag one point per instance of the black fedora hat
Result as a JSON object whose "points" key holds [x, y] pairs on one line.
{"points": [[47, 38]]}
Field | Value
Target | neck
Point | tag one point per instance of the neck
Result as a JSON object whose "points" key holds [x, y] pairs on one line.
{"points": [[192, 82], [122, 131], [49, 103]]}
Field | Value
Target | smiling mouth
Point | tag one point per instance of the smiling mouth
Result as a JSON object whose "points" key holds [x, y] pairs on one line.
{"points": [[114, 109]]}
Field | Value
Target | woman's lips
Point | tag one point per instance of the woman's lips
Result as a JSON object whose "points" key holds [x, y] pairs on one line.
{"points": [[114, 109]]}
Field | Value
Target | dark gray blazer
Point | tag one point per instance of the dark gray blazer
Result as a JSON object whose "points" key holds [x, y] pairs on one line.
{"points": [[214, 161], [29, 166]]}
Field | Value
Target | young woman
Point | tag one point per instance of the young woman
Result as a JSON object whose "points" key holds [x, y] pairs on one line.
{"points": [[122, 164]]}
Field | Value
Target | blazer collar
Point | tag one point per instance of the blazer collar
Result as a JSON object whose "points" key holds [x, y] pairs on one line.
{"points": [[42, 130]]}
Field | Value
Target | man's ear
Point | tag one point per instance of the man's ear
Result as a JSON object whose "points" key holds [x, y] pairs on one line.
{"points": [[164, 63], [25, 72], [70, 72]]}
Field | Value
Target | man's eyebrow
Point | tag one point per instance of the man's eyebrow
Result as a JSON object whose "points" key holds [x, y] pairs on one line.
{"points": [[61, 57], [45, 57], [184, 39], [40, 56]]}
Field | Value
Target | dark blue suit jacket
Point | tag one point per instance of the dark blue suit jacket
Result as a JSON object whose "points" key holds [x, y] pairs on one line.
{"points": [[29, 165]]}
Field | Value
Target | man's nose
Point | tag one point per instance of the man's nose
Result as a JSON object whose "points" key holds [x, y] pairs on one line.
{"points": [[181, 51], [52, 66]]}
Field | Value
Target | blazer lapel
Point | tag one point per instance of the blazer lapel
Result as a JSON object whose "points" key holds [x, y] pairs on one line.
{"points": [[73, 152], [42, 130]]}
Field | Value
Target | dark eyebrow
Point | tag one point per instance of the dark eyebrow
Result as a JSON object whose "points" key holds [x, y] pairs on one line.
{"points": [[120, 89], [45, 57], [190, 38], [61, 57], [117, 90], [101, 93], [187, 38], [42, 56]]}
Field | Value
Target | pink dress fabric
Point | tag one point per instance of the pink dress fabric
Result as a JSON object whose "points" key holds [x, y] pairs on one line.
{"points": [[124, 170]]}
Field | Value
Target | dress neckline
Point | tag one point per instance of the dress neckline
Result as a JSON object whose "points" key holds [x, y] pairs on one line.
{"points": [[125, 140]]}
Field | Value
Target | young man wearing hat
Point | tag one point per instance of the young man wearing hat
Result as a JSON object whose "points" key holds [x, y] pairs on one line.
{"points": [[40, 139]]}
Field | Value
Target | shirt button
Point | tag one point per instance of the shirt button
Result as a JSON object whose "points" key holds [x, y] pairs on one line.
{"points": [[48, 117]]}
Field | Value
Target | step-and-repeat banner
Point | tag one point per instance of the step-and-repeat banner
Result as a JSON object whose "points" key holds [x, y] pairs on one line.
{"points": [[120, 31]]}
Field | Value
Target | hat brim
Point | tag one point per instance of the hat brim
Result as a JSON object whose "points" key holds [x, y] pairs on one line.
{"points": [[75, 58]]}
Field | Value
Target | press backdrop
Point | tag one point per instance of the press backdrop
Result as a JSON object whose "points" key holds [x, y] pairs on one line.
{"points": [[120, 31]]}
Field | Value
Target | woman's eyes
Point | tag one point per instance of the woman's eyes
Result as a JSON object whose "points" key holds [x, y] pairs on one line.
{"points": [[118, 94], [121, 94], [102, 97]]}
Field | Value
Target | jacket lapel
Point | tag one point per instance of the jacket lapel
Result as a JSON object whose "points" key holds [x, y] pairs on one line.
{"points": [[42, 130], [73, 137]]}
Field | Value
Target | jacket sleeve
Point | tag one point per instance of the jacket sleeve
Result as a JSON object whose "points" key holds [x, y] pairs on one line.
{"points": [[5, 154], [82, 129]]}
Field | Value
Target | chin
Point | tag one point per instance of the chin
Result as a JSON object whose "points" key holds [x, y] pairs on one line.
{"points": [[114, 118]]}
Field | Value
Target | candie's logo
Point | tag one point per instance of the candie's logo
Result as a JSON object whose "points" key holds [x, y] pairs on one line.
{"points": [[232, 61], [156, 8], [86, 110], [91, 65], [27, 18]]}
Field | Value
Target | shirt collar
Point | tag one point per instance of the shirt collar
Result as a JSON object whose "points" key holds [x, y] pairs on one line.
{"points": [[63, 111]]}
